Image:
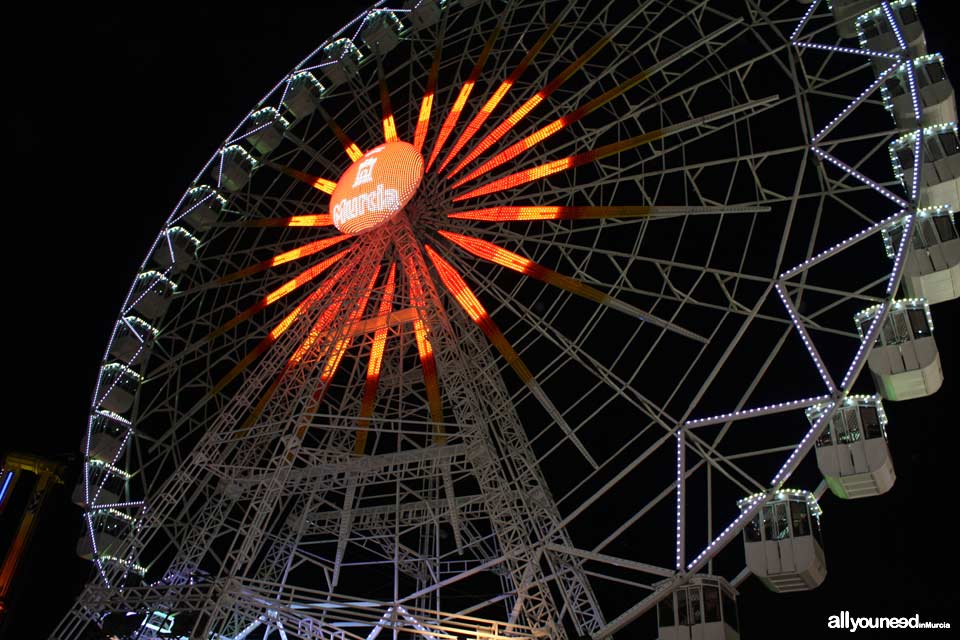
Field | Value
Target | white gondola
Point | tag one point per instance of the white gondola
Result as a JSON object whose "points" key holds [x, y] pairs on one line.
{"points": [[266, 127], [107, 484], [177, 250], [108, 434], [940, 183], [931, 269], [877, 34], [938, 103], [381, 31], [703, 609], [201, 208], [341, 61], [422, 13], [845, 12], [133, 340], [234, 168], [303, 95], [118, 385], [852, 451], [110, 528], [905, 362], [783, 542], [152, 293]]}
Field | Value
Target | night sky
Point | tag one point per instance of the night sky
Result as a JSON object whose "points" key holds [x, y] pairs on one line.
{"points": [[109, 116]]}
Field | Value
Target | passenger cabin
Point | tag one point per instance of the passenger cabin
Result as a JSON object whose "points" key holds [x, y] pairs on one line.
{"points": [[234, 168], [381, 31], [303, 95], [931, 268], [108, 433], [107, 485], [852, 450], [783, 542], [940, 178], [110, 527], [132, 341], [201, 208], [422, 13], [152, 292], [937, 99], [118, 385], [177, 250], [266, 127], [341, 60], [845, 12], [877, 34], [905, 362], [705, 608]]}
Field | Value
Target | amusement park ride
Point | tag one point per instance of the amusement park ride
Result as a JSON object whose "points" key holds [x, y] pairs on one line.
{"points": [[524, 319]]}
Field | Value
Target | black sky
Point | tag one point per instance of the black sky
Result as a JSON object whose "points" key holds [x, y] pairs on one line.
{"points": [[109, 115]]}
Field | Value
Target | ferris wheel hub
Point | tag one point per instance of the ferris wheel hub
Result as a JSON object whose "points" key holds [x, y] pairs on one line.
{"points": [[376, 187]]}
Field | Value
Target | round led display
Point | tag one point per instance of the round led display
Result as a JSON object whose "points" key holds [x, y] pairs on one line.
{"points": [[376, 187]]}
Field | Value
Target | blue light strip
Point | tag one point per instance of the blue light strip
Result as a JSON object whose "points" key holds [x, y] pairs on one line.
{"points": [[6, 484]]}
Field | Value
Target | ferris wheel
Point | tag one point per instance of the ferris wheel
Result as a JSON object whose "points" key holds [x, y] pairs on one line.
{"points": [[507, 318]]}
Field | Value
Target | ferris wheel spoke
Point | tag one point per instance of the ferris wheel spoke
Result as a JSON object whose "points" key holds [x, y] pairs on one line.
{"points": [[426, 103], [481, 116], [424, 347], [453, 116], [498, 255], [571, 162], [311, 220], [389, 125], [375, 363], [294, 254], [349, 146], [581, 112], [289, 287], [458, 288], [323, 290], [321, 184], [547, 90]]}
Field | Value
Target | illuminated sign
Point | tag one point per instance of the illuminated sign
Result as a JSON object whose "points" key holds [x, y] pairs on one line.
{"points": [[376, 187]]}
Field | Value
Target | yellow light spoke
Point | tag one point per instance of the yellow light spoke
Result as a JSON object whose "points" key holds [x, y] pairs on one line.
{"points": [[308, 249]]}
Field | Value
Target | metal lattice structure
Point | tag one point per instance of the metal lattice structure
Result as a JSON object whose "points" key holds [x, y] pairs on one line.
{"points": [[527, 404]]}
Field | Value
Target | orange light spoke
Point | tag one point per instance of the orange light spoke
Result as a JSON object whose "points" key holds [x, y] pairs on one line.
{"points": [[458, 288], [281, 328], [534, 213], [389, 126], [426, 105], [315, 220], [499, 94], [286, 289], [556, 166], [295, 254], [528, 106], [425, 350], [498, 255], [353, 151], [375, 362], [322, 184], [454, 115], [339, 348], [543, 133]]}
